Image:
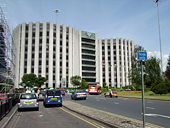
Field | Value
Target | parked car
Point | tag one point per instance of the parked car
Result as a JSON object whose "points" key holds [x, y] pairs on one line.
{"points": [[53, 97], [111, 93], [28, 100], [79, 95]]}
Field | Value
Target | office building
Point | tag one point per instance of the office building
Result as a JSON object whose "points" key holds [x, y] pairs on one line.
{"points": [[59, 52]]}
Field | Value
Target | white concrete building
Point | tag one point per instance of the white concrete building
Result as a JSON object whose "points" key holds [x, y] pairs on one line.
{"points": [[59, 52], [115, 61]]}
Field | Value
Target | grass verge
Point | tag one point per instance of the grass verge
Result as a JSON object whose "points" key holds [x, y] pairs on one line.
{"points": [[149, 95]]}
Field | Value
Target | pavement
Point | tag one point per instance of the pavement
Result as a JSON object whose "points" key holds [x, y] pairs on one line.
{"points": [[109, 119], [8, 117]]}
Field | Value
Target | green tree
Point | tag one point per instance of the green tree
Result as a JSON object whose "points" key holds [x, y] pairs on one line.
{"points": [[29, 80], [84, 84], [167, 72], [40, 81], [75, 80], [152, 71], [135, 73]]}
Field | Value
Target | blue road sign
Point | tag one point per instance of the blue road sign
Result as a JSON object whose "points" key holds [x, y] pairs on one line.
{"points": [[142, 56]]}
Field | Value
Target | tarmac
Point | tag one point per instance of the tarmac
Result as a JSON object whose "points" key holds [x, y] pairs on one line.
{"points": [[109, 119]]}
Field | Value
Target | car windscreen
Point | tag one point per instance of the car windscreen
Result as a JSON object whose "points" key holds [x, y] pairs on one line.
{"points": [[28, 96], [53, 93]]}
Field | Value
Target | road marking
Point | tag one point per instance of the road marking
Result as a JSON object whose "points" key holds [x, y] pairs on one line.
{"points": [[157, 115], [92, 123], [150, 108], [116, 103]]}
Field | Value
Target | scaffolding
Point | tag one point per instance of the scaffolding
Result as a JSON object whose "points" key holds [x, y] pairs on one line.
{"points": [[7, 55]]}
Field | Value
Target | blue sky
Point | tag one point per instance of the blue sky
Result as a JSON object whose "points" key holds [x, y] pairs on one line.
{"points": [[130, 19]]}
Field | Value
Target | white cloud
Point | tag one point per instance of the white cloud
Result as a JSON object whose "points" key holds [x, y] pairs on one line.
{"points": [[157, 55]]}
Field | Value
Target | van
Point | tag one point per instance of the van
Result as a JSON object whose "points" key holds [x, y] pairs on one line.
{"points": [[53, 97]]}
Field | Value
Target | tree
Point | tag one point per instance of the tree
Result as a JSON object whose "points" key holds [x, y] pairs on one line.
{"points": [[29, 80], [152, 71], [75, 80], [135, 73], [40, 81], [84, 84], [167, 72]]}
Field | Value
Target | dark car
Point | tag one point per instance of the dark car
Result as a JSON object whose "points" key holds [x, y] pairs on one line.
{"points": [[79, 95]]}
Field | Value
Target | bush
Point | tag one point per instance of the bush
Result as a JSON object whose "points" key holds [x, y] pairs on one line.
{"points": [[161, 88]]}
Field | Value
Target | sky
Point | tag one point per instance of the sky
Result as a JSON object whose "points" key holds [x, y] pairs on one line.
{"points": [[130, 19]]}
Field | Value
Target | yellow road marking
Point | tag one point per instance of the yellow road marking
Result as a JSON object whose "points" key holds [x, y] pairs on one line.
{"points": [[92, 123]]}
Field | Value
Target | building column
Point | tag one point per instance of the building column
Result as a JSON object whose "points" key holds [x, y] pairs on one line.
{"points": [[50, 67], [22, 52], [43, 66], [112, 62], [57, 71], [118, 62], [36, 58]]}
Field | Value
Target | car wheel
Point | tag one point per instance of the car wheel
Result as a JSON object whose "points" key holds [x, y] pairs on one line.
{"points": [[37, 109], [45, 105], [19, 109]]}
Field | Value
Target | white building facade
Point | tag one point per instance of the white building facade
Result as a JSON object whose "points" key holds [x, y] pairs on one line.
{"points": [[115, 61], [59, 52]]}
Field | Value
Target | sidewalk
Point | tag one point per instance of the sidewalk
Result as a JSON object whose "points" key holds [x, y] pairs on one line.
{"points": [[111, 119], [8, 117]]}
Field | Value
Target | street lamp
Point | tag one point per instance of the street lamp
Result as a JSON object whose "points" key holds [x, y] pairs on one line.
{"points": [[159, 31], [56, 11]]}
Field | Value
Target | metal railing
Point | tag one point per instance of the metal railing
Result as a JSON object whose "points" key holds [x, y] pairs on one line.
{"points": [[6, 105]]}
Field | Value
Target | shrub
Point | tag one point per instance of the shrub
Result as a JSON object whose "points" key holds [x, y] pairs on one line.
{"points": [[160, 88]]}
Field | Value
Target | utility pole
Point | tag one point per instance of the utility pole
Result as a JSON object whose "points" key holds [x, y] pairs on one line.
{"points": [[159, 31]]}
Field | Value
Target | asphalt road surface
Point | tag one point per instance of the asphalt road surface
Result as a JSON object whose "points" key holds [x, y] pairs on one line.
{"points": [[51, 117], [157, 112]]}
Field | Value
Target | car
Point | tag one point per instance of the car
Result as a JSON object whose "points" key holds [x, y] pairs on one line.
{"points": [[111, 93], [53, 97], [79, 95], [28, 100]]}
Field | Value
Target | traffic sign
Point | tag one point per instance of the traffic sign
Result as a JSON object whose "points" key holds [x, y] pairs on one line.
{"points": [[142, 56]]}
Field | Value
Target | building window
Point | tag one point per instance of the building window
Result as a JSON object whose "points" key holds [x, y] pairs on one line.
{"points": [[47, 33], [26, 34], [40, 34], [25, 70], [33, 34]]}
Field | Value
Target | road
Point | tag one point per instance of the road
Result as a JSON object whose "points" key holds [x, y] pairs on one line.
{"points": [[51, 117], [157, 112]]}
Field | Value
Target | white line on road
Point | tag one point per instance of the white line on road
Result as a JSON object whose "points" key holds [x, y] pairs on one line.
{"points": [[157, 115], [150, 108], [116, 103]]}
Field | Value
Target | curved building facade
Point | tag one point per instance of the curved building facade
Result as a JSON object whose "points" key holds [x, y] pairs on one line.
{"points": [[59, 52]]}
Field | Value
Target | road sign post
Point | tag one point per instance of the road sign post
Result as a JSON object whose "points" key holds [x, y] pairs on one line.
{"points": [[142, 57]]}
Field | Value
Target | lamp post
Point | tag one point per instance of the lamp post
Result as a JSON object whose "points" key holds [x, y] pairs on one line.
{"points": [[56, 11], [159, 31]]}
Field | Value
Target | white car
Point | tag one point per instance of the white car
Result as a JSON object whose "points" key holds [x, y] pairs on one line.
{"points": [[28, 100], [79, 95]]}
